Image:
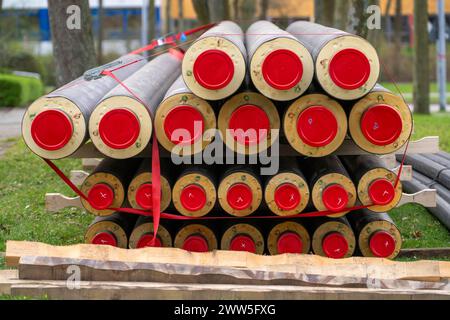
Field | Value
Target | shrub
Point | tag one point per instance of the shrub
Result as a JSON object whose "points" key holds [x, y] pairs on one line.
{"points": [[18, 91], [24, 61]]}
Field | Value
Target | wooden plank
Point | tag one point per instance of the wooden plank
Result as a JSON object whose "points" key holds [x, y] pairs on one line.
{"points": [[308, 264], [54, 268], [55, 202], [163, 291], [89, 163], [425, 253], [77, 177], [407, 172], [426, 198], [424, 145]]}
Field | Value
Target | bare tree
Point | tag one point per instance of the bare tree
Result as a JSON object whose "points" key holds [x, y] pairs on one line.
{"points": [[1, 5], [421, 58], [264, 9], [202, 11], [247, 12], [397, 36], [341, 14], [387, 20], [100, 32], [324, 12], [211, 10], [180, 16], [165, 10], [357, 22], [151, 20], [218, 10], [73, 43]]}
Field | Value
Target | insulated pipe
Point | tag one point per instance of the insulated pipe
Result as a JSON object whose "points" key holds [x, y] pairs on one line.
{"points": [[184, 121], [139, 192], [240, 191], [287, 193], [246, 121], [194, 192], [121, 124], [196, 238], [444, 155], [438, 159], [380, 122], [429, 168], [347, 66], [375, 183], [281, 68], [330, 184], [288, 237], [442, 191], [112, 230], [315, 125], [442, 209], [214, 66], [55, 125], [243, 237], [377, 234], [332, 238], [106, 186], [142, 235]]}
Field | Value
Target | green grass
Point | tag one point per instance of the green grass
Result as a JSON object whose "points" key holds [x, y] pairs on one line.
{"points": [[24, 180], [407, 89], [419, 228], [437, 124]]}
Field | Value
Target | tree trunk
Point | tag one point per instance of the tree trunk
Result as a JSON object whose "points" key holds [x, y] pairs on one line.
{"points": [[324, 12], [180, 16], [387, 20], [100, 33], [357, 22], [73, 43], [421, 58], [201, 9], [341, 14], [247, 10], [151, 20], [218, 10], [264, 9], [165, 13], [397, 36]]}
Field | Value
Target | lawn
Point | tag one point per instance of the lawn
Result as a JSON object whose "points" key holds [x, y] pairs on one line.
{"points": [[25, 178], [407, 91]]}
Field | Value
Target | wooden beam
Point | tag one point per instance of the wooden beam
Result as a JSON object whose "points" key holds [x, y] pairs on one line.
{"points": [[54, 268], [307, 264]]}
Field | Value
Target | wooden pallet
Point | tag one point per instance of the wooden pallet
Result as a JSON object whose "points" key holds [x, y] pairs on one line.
{"points": [[168, 273]]}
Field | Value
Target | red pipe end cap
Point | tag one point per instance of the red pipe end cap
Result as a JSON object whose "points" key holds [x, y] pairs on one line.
{"points": [[382, 244], [289, 242], [381, 192], [335, 245], [105, 238], [101, 196], [381, 124], [335, 198], [317, 126], [193, 197], [349, 69], [144, 196], [240, 196], [287, 196], [51, 130], [188, 120], [243, 243], [195, 244], [119, 128], [282, 69], [213, 69], [250, 124], [145, 241]]}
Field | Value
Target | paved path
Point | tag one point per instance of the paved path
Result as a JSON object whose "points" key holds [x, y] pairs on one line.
{"points": [[10, 126]]}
